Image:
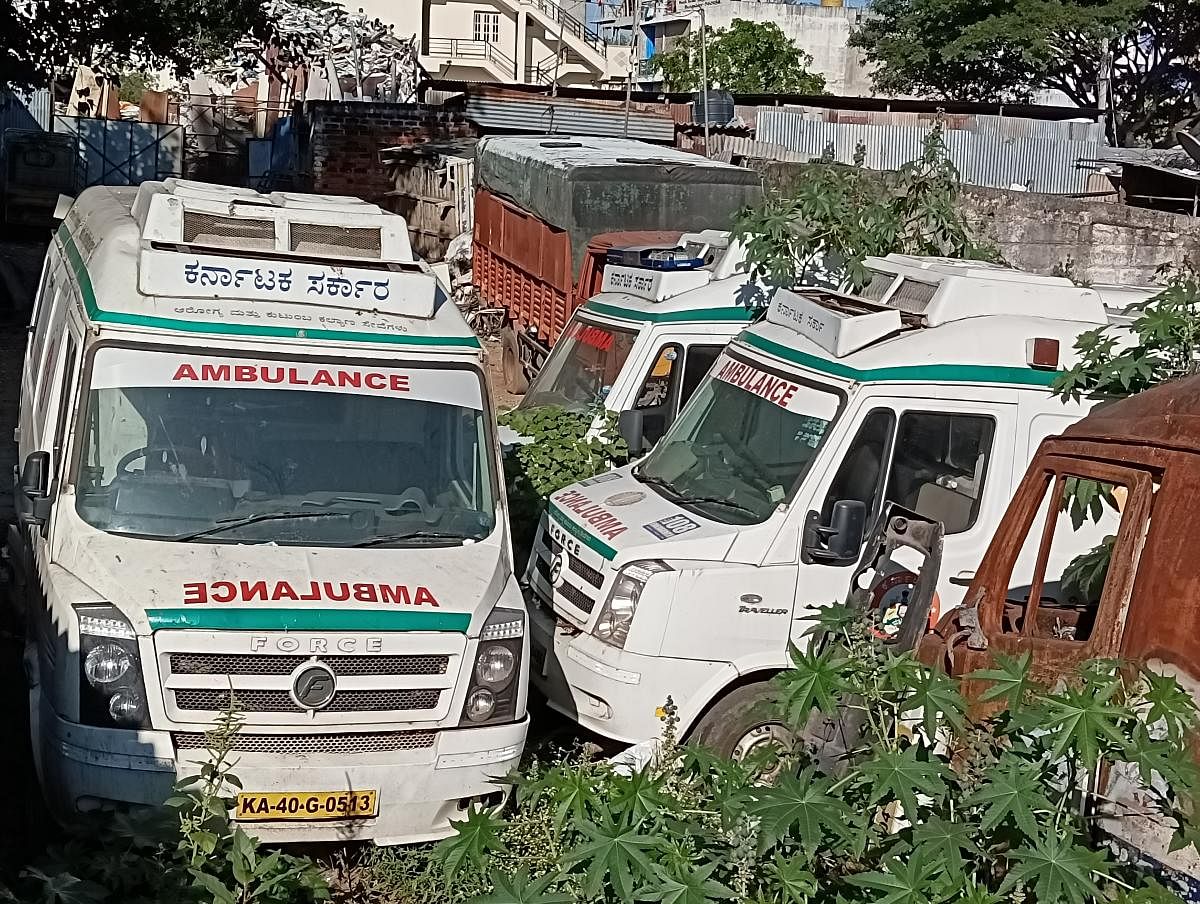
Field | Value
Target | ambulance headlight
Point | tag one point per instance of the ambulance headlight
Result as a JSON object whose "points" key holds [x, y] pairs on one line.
{"points": [[612, 626], [493, 694], [112, 693]]}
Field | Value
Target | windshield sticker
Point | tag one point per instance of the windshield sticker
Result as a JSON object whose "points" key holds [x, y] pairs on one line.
{"points": [[602, 521], [599, 478], [199, 592], [787, 394], [594, 336], [671, 527], [116, 368]]}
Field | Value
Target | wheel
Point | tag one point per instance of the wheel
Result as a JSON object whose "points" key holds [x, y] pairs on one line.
{"points": [[515, 380], [741, 724]]}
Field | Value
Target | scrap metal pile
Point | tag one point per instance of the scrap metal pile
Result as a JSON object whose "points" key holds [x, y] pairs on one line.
{"points": [[329, 38]]}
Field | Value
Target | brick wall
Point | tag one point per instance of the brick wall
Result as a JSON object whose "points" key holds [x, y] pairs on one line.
{"points": [[344, 140]]}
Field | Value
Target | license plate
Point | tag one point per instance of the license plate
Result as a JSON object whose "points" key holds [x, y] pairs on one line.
{"points": [[305, 805]]}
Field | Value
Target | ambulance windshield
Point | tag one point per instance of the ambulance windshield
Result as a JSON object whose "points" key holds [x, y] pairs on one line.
{"points": [[580, 371], [234, 450], [744, 441]]}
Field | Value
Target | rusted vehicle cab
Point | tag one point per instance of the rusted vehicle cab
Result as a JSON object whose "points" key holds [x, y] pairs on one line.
{"points": [[1142, 607]]}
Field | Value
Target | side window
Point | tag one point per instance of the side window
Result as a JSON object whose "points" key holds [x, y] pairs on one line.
{"points": [[48, 298], [1060, 575], [65, 395], [656, 388], [696, 365], [861, 471], [939, 466]]}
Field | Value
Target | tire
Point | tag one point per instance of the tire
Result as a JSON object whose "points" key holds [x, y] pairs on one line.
{"points": [[515, 380], [740, 722]]}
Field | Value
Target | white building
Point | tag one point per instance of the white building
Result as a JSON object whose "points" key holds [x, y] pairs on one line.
{"points": [[823, 31], [526, 41]]}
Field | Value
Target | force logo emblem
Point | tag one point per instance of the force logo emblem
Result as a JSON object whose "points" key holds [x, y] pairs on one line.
{"points": [[313, 685], [556, 569]]}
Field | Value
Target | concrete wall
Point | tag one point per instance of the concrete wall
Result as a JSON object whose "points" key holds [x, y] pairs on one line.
{"points": [[342, 153], [1106, 241], [821, 31]]}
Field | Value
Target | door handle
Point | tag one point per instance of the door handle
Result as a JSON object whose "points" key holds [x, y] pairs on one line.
{"points": [[963, 578]]}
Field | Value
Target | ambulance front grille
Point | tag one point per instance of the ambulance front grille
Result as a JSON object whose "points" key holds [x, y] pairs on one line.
{"points": [[343, 666], [301, 744], [280, 701], [546, 552]]}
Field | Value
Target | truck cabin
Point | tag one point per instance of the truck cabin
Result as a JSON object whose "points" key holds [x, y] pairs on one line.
{"points": [[1131, 597]]}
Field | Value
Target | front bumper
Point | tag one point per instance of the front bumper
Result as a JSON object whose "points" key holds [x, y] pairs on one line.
{"points": [[612, 692], [419, 791]]}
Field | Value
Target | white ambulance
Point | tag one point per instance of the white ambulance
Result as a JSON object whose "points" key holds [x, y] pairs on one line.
{"points": [[259, 461], [644, 342], [687, 574]]}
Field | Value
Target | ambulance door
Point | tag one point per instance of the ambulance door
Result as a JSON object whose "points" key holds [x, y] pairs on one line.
{"points": [[669, 375]]}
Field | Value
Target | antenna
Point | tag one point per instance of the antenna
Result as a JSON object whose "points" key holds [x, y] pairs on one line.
{"points": [[1190, 143]]}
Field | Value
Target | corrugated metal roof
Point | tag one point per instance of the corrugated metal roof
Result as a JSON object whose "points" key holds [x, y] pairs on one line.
{"points": [[525, 113], [983, 158], [16, 112]]}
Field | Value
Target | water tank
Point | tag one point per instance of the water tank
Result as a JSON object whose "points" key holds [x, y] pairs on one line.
{"points": [[720, 107]]}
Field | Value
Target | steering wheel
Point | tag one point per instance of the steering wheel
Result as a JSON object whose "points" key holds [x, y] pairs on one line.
{"points": [[147, 451], [196, 455], [760, 469]]}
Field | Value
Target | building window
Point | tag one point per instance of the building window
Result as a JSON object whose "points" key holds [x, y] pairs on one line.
{"points": [[487, 27]]}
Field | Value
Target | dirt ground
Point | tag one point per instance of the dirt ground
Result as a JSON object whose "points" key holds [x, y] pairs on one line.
{"points": [[502, 398]]}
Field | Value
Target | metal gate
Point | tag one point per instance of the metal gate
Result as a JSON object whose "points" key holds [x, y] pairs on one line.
{"points": [[116, 152]]}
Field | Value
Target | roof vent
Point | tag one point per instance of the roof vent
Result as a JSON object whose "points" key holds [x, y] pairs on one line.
{"points": [[215, 231], [912, 297], [348, 241]]}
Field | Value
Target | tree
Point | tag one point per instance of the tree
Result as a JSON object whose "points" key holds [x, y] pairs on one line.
{"points": [[746, 58], [41, 38], [822, 226], [1007, 50]]}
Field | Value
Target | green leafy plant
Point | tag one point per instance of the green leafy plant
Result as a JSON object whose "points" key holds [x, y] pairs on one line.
{"points": [[746, 58], [822, 225], [187, 851], [931, 803], [563, 448]]}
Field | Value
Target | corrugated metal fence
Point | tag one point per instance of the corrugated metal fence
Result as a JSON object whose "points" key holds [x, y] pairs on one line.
{"points": [[983, 158]]}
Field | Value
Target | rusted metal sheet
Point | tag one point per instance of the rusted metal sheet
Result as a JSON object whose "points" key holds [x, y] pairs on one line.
{"points": [[531, 114]]}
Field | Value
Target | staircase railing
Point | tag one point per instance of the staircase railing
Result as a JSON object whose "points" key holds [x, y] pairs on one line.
{"points": [[464, 49], [570, 25]]}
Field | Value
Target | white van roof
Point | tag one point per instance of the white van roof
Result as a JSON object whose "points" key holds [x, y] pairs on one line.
{"points": [[191, 257], [936, 319]]}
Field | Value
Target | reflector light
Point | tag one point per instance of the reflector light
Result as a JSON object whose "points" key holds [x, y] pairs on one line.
{"points": [[1042, 353]]}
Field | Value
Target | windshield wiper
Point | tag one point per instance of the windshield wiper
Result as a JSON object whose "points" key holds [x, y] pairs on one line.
{"points": [[231, 523], [691, 500], [411, 535]]}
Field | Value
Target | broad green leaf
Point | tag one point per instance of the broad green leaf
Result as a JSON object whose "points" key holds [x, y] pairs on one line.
{"points": [[638, 795], [938, 697], [1149, 893], [1168, 702], [1010, 679], [474, 840], [213, 886], [813, 681], [65, 888], [942, 842], [1013, 790], [1082, 720], [1170, 759], [1057, 870], [799, 807], [688, 886], [902, 775], [791, 875], [900, 882], [518, 888], [616, 854]]}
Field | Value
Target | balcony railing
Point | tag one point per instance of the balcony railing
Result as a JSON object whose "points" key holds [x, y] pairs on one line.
{"points": [[570, 25], [463, 49], [648, 69]]}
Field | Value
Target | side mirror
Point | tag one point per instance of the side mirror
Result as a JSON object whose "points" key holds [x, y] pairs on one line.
{"points": [[840, 541], [631, 425], [33, 491]]}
